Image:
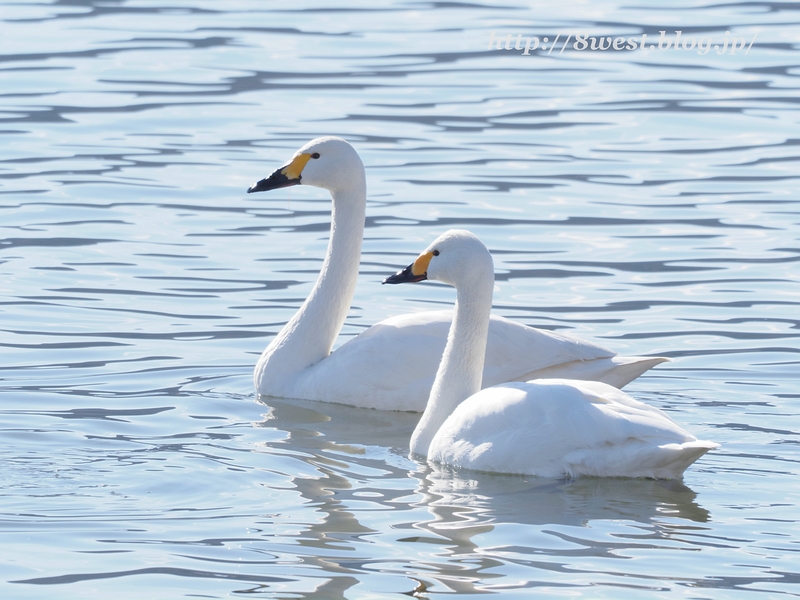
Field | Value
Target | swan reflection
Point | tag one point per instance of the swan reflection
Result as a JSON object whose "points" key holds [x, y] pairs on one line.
{"points": [[356, 471]]}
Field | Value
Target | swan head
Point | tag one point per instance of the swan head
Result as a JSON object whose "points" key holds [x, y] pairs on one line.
{"points": [[456, 257], [326, 162]]}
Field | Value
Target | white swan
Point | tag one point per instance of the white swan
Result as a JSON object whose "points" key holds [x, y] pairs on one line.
{"points": [[298, 363], [545, 427]]}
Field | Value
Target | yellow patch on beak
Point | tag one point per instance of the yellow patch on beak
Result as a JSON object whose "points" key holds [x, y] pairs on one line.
{"points": [[296, 166], [420, 266]]}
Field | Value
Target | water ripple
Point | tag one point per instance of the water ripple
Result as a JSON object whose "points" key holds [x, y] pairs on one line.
{"points": [[641, 199]]}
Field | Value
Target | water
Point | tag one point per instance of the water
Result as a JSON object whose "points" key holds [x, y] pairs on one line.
{"points": [[643, 199]]}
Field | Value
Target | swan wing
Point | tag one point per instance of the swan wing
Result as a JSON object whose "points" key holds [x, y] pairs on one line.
{"points": [[516, 352], [392, 364], [389, 366], [557, 428]]}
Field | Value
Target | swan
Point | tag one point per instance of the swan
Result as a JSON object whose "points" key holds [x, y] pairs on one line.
{"points": [[298, 362], [543, 427]]}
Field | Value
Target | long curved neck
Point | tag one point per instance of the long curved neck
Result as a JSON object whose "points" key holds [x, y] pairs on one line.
{"points": [[461, 370], [309, 335]]}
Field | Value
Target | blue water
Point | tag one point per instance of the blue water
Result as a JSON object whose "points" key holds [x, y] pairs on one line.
{"points": [[644, 199]]}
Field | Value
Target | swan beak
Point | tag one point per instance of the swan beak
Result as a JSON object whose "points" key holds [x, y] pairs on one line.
{"points": [[285, 176], [406, 276], [413, 273]]}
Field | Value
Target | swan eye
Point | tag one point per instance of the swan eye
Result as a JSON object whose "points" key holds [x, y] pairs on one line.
{"points": [[315, 155], [436, 253]]}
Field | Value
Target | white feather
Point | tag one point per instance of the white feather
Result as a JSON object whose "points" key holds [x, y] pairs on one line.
{"points": [[546, 427], [298, 363]]}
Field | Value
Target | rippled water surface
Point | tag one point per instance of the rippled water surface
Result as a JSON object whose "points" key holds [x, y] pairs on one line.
{"points": [[644, 199]]}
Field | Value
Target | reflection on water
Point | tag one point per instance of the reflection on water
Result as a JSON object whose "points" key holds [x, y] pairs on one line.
{"points": [[644, 199], [467, 516]]}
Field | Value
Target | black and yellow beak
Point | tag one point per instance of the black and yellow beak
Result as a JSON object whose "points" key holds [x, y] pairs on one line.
{"points": [[285, 176], [413, 273]]}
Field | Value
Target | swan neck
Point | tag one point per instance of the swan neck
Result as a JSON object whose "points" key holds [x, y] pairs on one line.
{"points": [[310, 334], [460, 372]]}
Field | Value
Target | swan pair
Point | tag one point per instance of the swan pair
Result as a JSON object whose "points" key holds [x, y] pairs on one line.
{"points": [[298, 363], [545, 427]]}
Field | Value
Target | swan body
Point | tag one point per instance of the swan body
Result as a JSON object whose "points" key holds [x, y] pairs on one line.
{"points": [[298, 363], [544, 427], [417, 340], [561, 427]]}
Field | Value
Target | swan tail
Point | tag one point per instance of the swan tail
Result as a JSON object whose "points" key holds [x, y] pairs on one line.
{"points": [[680, 457], [617, 371], [637, 458]]}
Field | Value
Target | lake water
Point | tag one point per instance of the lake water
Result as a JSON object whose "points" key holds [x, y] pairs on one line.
{"points": [[645, 199]]}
